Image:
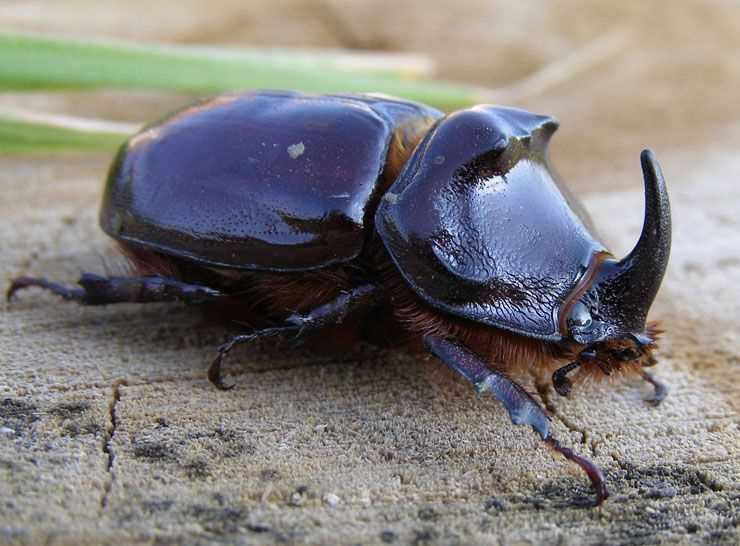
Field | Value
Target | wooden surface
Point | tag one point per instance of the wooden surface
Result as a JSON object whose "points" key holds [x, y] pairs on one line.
{"points": [[110, 433]]}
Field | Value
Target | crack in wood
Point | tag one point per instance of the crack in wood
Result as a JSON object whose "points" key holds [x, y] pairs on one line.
{"points": [[108, 441]]}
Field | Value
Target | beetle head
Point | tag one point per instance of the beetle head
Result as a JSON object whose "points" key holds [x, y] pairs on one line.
{"points": [[616, 301], [610, 357]]}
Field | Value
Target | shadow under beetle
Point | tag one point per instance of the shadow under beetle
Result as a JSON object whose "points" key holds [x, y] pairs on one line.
{"points": [[307, 212]]}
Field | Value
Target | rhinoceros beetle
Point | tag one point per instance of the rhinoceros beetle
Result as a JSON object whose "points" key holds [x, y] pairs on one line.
{"points": [[310, 212]]}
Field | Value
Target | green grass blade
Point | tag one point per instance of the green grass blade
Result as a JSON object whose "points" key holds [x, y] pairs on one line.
{"points": [[30, 62], [24, 137]]}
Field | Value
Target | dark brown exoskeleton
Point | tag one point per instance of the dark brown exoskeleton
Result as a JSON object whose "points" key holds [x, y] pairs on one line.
{"points": [[302, 211]]}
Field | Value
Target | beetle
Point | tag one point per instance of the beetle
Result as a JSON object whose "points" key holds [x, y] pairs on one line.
{"points": [[307, 212]]}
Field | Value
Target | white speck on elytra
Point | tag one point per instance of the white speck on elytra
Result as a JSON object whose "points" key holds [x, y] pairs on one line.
{"points": [[296, 150]]}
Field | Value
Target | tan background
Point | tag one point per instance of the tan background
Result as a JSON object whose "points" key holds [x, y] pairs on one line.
{"points": [[110, 432]]}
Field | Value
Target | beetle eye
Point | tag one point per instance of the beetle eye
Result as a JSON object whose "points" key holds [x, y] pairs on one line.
{"points": [[580, 316]]}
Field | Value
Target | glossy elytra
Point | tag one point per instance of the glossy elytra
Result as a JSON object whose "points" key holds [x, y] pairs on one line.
{"points": [[373, 216]]}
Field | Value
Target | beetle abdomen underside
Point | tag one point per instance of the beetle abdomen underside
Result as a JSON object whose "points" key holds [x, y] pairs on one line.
{"points": [[266, 181]]}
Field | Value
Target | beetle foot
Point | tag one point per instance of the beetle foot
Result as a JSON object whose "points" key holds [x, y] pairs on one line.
{"points": [[560, 381], [21, 283], [297, 325], [214, 370], [214, 373], [661, 389], [593, 472]]}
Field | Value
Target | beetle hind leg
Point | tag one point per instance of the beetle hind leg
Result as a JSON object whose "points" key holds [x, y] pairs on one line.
{"points": [[97, 290], [21, 283], [522, 408]]}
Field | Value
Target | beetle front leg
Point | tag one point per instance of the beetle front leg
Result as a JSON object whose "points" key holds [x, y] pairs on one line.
{"points": [[97, 290], [563, 385], [522, 408], [362, 297]]}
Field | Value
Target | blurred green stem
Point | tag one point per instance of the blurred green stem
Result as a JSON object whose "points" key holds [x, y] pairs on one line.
{"points": [[24, 137], [31, 62]]}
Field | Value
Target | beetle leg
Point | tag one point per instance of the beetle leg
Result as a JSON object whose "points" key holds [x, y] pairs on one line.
{"points": [[214, 370], [560, 380], [661, 389], [333, 312], [97, 290], [21, 283], [522, 408]]}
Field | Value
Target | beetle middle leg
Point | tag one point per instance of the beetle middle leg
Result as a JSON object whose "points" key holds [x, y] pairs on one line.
{"points": [[362, 297], [97, 290], [522, 408]]}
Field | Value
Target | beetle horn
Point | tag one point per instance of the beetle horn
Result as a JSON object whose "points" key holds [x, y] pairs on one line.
{"points": [[647, 262], [637, 277]]}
